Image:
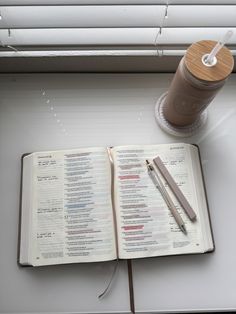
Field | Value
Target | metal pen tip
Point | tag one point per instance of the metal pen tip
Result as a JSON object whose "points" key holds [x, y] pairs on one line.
{"points": [[182, 227], [149, 166]]}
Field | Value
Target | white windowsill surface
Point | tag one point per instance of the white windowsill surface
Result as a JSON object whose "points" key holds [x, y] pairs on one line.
{"points": [[109, 110]]}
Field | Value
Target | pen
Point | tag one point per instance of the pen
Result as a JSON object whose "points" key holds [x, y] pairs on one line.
{"points": [[160, 186], [175, 189]]}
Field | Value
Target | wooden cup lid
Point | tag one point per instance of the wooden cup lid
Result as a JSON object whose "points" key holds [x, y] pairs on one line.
{"points": [[220, 71]]}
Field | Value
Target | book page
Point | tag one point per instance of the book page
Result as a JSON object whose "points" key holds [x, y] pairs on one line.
{"points": [[72, 208], [145, 224]]}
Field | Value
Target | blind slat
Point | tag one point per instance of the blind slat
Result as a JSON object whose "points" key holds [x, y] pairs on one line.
{"points": [[111, 2], [201, 16], [94, 53], [117, 16], [187, 36], [110, 36], [80, 16]]}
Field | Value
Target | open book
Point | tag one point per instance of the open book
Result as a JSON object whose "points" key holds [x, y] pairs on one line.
{"points": [[99, 204]]}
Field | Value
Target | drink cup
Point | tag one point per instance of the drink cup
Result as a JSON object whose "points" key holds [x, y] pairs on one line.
{"points": [[196, 83]]}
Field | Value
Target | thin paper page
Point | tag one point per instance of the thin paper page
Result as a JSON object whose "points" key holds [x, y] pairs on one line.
{"points": [[72, 217], [144, 223]]}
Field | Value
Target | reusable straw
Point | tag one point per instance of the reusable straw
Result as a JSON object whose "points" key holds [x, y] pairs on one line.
{"points": [[209, 59]]}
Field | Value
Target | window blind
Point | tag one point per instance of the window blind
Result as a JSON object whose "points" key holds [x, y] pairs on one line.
{"points": [[111, 27]]}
